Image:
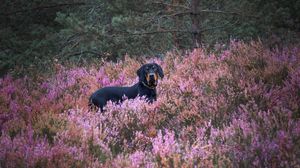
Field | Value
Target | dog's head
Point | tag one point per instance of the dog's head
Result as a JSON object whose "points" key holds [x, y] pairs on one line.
{"points": [[148, 74]]}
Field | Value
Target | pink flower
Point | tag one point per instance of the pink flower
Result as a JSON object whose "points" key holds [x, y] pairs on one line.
{"points": [[165, 145], [137, 158]]}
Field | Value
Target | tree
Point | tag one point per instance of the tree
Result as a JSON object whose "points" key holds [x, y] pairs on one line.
{"points": [[36, 32], [27, 32]]}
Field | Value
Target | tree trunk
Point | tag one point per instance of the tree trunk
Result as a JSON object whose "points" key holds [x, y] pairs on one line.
{"points": [[176, 23], [196, 23]]}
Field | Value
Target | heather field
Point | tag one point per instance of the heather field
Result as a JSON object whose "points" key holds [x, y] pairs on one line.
{"points": [[238, 107]]}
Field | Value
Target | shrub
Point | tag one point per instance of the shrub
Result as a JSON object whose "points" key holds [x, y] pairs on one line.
{"points": [[239, 108]]}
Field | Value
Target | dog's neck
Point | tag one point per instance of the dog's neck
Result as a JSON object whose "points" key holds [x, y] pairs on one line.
{"points": [[149, 87], [145, 90]]}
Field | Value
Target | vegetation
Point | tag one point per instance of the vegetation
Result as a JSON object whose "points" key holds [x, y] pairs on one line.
{"points": [[230, 96], [34, 34], [233, 109]]}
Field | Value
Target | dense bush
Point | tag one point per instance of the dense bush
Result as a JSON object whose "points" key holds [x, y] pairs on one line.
{"points": [[238, 108]]}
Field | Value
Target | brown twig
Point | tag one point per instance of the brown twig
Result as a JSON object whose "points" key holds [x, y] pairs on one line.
{"points": [[182, 31], [44, 7], [207, 11], [171, 5]]}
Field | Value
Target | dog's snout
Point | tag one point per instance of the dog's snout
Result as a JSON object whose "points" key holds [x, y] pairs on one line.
{"points": [[152, 74]]}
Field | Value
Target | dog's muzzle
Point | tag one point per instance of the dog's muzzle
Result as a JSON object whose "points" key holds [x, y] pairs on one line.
{"points": [[152, 79]]}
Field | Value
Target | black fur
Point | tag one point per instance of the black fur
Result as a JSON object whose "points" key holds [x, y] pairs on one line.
{"points": [[142, 88]]}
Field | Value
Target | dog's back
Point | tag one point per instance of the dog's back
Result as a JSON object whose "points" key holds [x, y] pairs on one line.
{"points": [[114, 94]]}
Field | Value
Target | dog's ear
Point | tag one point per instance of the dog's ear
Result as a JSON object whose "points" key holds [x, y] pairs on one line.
{"points": [[140, 71], [160, 71]]}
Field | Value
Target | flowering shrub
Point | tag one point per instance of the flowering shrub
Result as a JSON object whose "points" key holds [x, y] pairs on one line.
{"points": [[237, 108]]}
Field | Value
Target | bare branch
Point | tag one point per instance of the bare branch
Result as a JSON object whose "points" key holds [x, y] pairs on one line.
{"points": [[218, 27], [159, 32], [171, 5], [70, 40], [207, 11], [82, 52], [44, 7], [226, 12], [182, 31]]}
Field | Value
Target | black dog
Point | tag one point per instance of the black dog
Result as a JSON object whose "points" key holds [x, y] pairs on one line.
{"points": [[148, 77]]}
